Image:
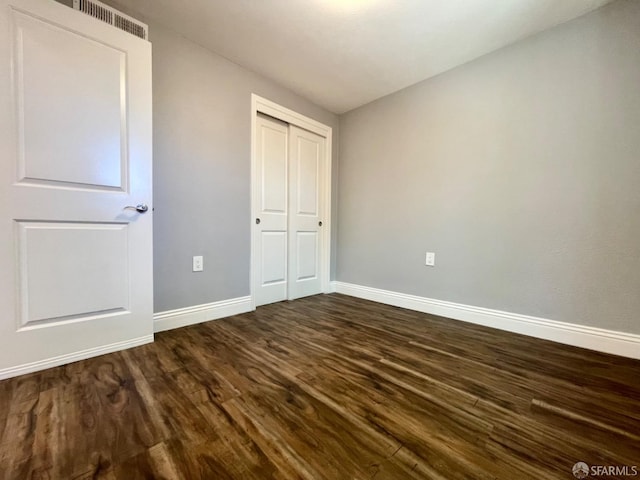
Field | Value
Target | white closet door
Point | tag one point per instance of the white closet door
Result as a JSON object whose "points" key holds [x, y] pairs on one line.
{"points": [[272, 198], [307, 154], [75, 137]]}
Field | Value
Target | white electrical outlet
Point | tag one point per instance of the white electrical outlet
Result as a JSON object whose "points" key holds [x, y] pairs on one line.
{"points": [[198, 263], [430, 259]]}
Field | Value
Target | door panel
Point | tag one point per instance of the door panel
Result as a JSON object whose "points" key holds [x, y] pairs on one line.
{"points": [[273, 160], [307, 255], [308, 176], [97, 280], [57, 154], [271, 233], [75, 136], [274, 257], [306, 184]]}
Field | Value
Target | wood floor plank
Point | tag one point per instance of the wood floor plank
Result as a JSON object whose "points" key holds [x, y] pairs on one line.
{"points": [[324, 387], [330, 443], [155, 359], [16, 446], [515, 391]]}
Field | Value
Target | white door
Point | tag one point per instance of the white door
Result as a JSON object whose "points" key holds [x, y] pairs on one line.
{"points": [[288, 204], [75, 146], [306, 165], [272, 198]]}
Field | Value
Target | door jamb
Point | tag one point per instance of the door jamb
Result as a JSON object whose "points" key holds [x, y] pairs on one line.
{"points": [[262, 105]]}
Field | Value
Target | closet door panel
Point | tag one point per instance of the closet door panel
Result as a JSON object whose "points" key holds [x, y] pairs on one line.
{"points": [[270, 234], [306, 164]]}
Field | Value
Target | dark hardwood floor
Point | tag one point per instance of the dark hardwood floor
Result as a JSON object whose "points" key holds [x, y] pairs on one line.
{"points": [[325, 387]]}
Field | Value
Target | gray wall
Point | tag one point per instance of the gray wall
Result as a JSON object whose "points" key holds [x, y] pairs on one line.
{"points": [[202, 163], [521, 170]]}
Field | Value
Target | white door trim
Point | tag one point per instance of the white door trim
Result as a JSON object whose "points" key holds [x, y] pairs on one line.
{"points": [[262, 105]]}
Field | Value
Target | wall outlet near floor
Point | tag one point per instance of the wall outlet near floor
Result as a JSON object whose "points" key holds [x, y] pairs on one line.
{"points": [[198, 263], [430, 259]]}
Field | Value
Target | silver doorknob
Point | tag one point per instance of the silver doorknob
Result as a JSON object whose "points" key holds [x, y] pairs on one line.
{"points": [[140, 208]]}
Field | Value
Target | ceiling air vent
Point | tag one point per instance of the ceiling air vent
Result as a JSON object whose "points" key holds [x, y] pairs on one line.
{"points": [[112, 17]]}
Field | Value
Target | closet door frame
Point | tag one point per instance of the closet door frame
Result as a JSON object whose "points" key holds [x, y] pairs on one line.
{"points": [[267, 107]]}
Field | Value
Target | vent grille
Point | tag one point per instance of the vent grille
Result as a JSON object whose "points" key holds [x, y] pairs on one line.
{"points": [[129, 26], [111, 16]]}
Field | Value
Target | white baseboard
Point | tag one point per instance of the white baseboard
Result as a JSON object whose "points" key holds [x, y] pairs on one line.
{"points": [[73, 357], [599, 339], [201, 313], [333, 286]]}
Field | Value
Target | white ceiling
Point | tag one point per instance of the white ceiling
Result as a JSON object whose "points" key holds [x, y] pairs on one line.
{"points": [[342, 54]]}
